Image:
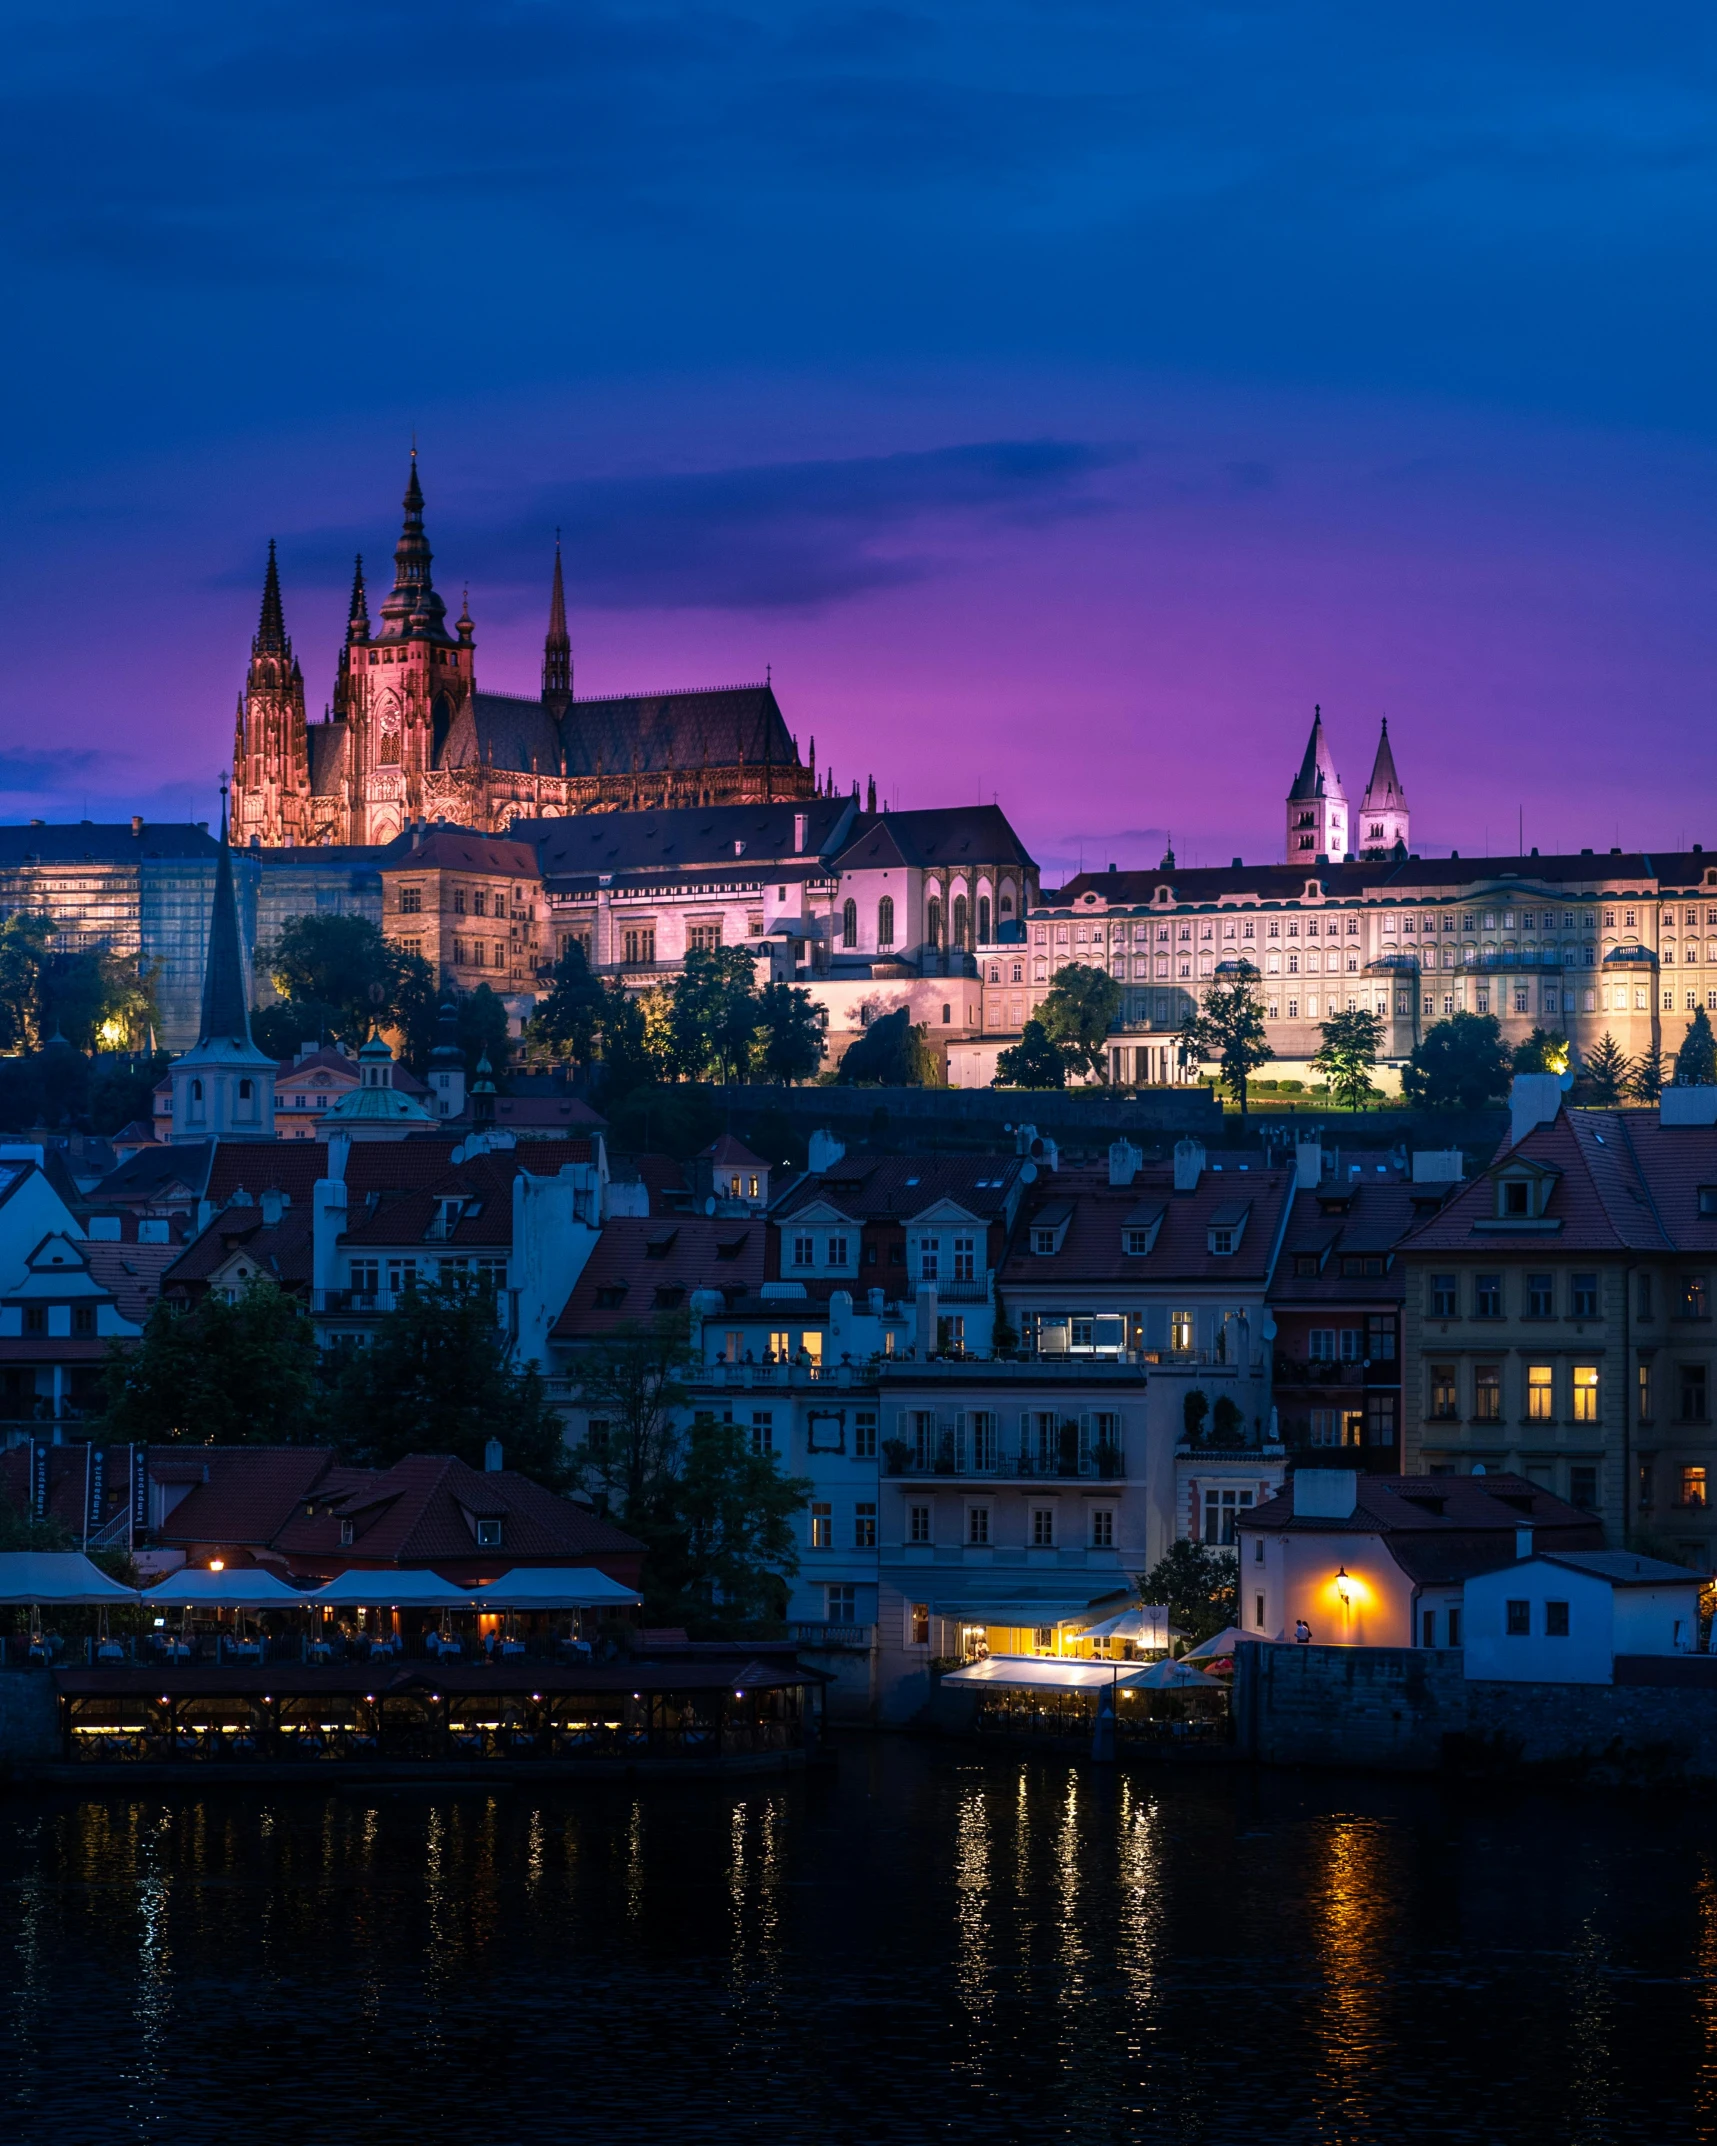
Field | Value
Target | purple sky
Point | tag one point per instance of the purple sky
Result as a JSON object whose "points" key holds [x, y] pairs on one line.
{"points": [[1061, 400]]}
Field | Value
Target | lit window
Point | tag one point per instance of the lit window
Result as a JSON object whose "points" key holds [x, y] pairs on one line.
{"points": [[1693, 1486], [822, 1527], [1585, 1393], [1540, 1393]]}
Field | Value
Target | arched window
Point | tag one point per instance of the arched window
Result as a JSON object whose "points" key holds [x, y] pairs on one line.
{"points": [[196, 1091], [961, 912], [933, 922], [1007, 908], [983, 920], [849, 924], [885, 921]]}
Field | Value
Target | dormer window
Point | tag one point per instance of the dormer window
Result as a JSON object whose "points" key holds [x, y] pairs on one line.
{"points": [[1135, 1243], [1514, 1198], [345, 1534], [488, 1534], [1043, 1240], [1222, 1242]]}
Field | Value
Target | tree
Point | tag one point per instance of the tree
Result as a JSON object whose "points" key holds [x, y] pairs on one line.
{"points": [[1194, 1407], [634, 1381], [437, 1378], [790, 1042], [1462, 1060], [1347, 1057], [339, 973], [217, 1373], [97, 999], [1077, 1014], [890, 1054], [1033, 1062], [24, 937], [1197, 1581], [122, 1089], [484, 1032], [1646, 1081], [568, 1018], [722, 1549], [715, 1012], [1546, 1050], [1229, 1027], [1696, 1061], [1607, 1071]]}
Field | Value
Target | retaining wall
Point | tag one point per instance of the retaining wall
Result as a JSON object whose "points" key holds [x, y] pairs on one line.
{"points": [[1411, 1710], [29, 1718]]}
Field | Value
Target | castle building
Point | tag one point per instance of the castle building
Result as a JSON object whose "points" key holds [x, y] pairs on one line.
{"points": [[410, 737]]}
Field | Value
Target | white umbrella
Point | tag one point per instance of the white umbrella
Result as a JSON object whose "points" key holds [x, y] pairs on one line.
{"points": [[1144, 1625], [412, 1589], [541, 1587], [1223, 1643], [246, 1587], [1169, 1676], [57, 1577]]}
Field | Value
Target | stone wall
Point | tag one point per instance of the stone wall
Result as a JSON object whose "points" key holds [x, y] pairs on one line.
{"points": [[1409, 1710], [29, 1718]]}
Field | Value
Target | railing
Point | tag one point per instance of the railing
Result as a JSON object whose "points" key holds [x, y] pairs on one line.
{"points": [[970, 1292], [833, 1635], [950, 1453], [1326, 1371]]}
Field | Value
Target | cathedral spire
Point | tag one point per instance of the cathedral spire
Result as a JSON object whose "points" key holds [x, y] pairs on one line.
{"points": [[412, 610], [1383, 816], [358, 617], [225, 1016], [557, 646], [1317, 804], [270, 639]]}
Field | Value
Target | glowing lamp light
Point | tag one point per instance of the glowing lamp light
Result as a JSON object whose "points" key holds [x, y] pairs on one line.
{"points": [[739, 1695], [1343, 1585], [217, 1564]]}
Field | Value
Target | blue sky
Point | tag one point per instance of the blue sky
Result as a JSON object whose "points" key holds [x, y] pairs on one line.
{"points": [[1061, 398]]}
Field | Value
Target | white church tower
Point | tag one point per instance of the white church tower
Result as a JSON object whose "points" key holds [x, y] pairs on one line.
{"points": [[1317, 804], [223, 1089], [1383, 820]]}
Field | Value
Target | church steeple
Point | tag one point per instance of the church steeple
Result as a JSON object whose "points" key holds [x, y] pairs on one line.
{"points": [[226, 1016], [1317, 804], [412, 611], [557, 647], [358, 616], [1383, 817], [270, 637], [223, 1088], [271, 754]]}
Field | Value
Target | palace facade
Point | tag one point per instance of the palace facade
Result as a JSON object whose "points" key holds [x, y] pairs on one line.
{"points": [[409, 736]]}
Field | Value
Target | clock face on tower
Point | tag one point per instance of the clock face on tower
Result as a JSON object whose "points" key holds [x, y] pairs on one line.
{"points": [[389, 712]]}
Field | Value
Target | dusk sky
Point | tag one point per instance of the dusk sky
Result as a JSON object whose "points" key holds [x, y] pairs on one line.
{"points": [[1061, 398]]}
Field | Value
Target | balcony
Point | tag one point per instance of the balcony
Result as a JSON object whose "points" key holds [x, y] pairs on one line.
{"points": [[1324, 1371], [825, 1635], [968, 1292], [952, 1454]]}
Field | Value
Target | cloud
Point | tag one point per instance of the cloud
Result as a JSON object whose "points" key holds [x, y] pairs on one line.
{"points": [[770, 536], [31, 771]]}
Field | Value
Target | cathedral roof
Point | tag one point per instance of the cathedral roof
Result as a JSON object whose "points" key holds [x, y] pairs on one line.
{"points": [[681, 731], [1317, 776], [503, 730], [1384, 791], [327, 757], [688, 838], [945, 835]]}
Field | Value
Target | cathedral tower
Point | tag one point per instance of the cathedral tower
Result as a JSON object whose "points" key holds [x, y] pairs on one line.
{"points": [[557, 648], [405, 687], [271, 758], [1317, 804], [1383, 823]]}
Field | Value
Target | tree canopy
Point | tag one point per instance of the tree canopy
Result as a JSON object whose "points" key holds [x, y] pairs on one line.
{"points": [[721, 1546], [890, 1054], [240, 1373], [789, 1035], [633, 1382], [1197, 1582], [1032, 1062], [1076, 1015], [1606, 1071], [1546, 1050], [569, 1016], [1229, 1027], [95, 999], [435, 1378], [1649, 1076], [1461, 1061], [1696, 1061], [1348, 1054], [714, 1013], [339, 975]]}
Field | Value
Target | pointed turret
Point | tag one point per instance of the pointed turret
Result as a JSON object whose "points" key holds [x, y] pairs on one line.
{"points": [[358, 616], [557, 646], [223, 1088], [1383, 818], [270, 638], [412, 610], [1317, 804]]}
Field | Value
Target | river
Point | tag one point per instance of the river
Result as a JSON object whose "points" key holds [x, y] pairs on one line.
{"points": [[930, 1944]]}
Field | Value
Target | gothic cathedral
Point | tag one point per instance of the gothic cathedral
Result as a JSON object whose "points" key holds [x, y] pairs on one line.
{"points": [[409, 737]]}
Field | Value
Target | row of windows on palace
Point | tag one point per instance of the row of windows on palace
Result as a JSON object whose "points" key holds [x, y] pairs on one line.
{"points": [[469, 901], [1539, 1292]]}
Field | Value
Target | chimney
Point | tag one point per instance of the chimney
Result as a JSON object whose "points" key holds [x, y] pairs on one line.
{"points": [[1308, 1164], [137, 823], [801, 823], [492, 1461], [1523, 1542], [1188, 1165], [1534, 1100], [273, 1205], [1325, 1493], [1124, 1161]]}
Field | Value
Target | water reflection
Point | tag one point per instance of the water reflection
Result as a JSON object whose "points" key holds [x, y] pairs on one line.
{"points": [[931, 1945]]}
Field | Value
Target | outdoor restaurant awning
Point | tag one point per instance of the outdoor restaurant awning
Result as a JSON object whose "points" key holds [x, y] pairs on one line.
{"points": [[541, 1587], [57, 1576], [1224, 1643], [1042, 1672], [239, 1587], [1146, 1625], [410, 1589]]}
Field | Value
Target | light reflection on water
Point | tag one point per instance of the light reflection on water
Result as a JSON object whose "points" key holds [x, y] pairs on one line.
{"points": [[932, 1944]]}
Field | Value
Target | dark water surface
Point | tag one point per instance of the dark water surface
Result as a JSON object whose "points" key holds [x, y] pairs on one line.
{"points": [[932, 1944]]}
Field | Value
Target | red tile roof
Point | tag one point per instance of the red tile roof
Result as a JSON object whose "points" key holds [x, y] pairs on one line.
{"points": [[1602, 1200], [893, 1188], [727, 1152], [1441, 1527], [1340, 1224], [1097, 1213], [132, 1272], [283, 1250], [641, 1268], [485, 1183]]}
